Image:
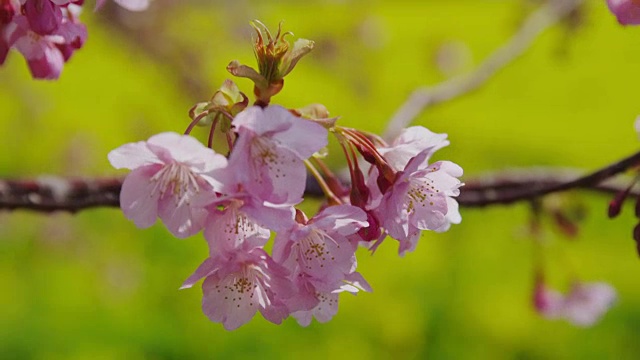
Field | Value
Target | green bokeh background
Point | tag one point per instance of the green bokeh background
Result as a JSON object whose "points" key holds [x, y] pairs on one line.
{"points": [[92, 286]]}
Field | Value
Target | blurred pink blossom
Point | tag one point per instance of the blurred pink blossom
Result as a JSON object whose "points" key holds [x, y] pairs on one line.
{"points": [[626, 11], [583, 305]]}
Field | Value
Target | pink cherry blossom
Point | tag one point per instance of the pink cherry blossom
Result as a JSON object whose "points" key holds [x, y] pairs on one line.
{"points": [[267, 158], [418, 200], [321, 260], [626, 11], [320, 248], [46, 53], [41, 52], [583, 306], [8, 9], [241, 282], [547, 302], [171, 179], [411, 143]]}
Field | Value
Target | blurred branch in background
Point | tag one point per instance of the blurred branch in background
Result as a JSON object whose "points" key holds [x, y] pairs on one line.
{"points": [[49, 194], [146, 33], [424, 97]]}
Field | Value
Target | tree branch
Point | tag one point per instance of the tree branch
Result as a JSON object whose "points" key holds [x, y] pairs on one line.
{"points": [[425, 97], [49, 194]]}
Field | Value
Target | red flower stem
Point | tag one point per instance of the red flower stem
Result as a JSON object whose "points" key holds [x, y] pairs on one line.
{"points": [[212, 131], [195, 122]]}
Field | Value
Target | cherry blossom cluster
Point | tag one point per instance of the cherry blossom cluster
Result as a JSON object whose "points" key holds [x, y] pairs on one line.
{"points": [[46, 32], [247, 192]]}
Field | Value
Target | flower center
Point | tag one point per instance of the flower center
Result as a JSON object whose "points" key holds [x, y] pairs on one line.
{"points": [[314, 250], [177, 180], [421, 193]]}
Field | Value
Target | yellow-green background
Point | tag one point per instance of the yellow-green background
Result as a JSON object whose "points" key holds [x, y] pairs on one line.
{"points": [[92, 286]]}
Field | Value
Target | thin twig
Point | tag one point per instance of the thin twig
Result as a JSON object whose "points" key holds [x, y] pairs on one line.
{"points": [[425, 97], [535, 190]]}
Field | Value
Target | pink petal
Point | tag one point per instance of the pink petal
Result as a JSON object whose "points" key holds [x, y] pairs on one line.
{"points": [[132, 155], [254, 119], [301, 136], [452, 217], [138, 200], [354, 283], [408, 243], [272, 216], [132, 5], [230, 228], [410, 143], [221, 301], [185, 149], [586, 303], [44, 17], [182, 219], [343, 219], [99, 4], [49, 66], [325, 310], [74, 34], [272, 174], [204, 270]]}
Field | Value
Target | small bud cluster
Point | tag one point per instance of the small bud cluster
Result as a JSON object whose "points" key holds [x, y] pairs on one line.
{"points": [[586, 302], [616, 204], [46, 32], [239, 200]]}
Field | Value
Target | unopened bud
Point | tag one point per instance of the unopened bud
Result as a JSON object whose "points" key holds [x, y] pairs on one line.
{"points": [[276, 58], [8, 10], [228, 99], [317, 113], [372, 231], [615, 206]]}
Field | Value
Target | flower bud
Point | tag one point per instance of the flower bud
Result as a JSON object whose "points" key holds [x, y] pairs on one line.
{"points": [[317, 113], [228, 99], [276, 58], [8, 10]]}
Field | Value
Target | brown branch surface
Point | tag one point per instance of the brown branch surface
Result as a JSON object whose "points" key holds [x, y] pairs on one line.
{"points": [[426, 96], [49, 194]]}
